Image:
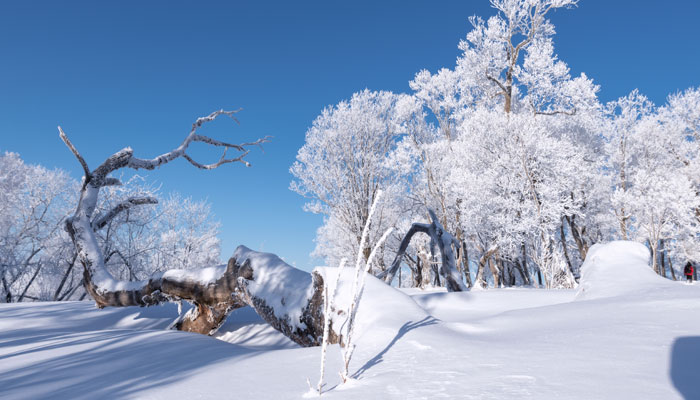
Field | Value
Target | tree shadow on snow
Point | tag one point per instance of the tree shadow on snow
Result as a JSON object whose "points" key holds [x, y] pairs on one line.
{"points": [[407, 327], [685, 366], [108, 364]]}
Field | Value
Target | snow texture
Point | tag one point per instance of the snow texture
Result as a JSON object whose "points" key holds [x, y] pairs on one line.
{"points": [[277, 283], [202, 276], [639, 342], [618, 268]]}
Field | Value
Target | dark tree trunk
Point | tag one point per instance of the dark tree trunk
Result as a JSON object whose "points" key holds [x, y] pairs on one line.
{"points": [[670, 266], [566, 250], [662, 257], [438, 238]]}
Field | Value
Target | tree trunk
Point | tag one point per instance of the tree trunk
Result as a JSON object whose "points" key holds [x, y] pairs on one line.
{"points": [[465, 263], [670, 266], [662, 258], [566, 250], [654, 264], [57, 293], [577, 234], [438, 238], [494, 272], [483, 261], [26, 288], [519, 268]]}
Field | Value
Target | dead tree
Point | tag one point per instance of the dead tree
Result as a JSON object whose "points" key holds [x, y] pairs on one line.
{"points": [[287, 298], [438, 237]]}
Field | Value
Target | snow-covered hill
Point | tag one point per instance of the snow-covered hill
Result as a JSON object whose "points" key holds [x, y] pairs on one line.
{"points": [[625, 334]]}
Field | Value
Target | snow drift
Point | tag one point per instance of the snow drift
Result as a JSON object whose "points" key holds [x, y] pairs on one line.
{"points": [[382, 309], [617, 268]]}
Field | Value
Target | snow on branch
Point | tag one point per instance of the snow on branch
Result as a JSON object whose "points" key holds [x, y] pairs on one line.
{"points": [[180, 151], [75, 152], [102, 220]]}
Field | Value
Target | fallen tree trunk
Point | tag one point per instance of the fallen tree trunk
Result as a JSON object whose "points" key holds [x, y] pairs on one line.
{"points": [[288, 299]]}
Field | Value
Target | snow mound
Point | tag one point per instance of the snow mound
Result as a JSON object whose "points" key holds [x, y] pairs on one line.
{"points": [[382, 310], [617, 268]]}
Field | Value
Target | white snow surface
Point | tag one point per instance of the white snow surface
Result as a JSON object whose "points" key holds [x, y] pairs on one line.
{"points": [[641, 341], [618, 268], [203, 276]]}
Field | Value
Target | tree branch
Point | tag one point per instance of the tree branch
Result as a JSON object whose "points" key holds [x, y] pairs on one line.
{"points": [[388, 274], [75, 152], [111, 182], [137, 163], [101, 221], [500, 85]]}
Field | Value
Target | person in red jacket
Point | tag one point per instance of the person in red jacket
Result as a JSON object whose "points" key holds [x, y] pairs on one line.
{"points": [[689, 271]]}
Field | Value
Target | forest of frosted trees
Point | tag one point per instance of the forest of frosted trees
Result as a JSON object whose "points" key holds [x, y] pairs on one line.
{"points": [[520, 163], [519, 160]]}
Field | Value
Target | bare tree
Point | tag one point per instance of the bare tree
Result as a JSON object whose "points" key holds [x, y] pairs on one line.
{"points": [[277, 291]]}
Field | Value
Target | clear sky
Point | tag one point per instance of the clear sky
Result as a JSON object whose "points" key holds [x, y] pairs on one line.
{"points": [[137, 73]]}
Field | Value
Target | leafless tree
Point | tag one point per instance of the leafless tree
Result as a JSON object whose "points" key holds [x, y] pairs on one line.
{"points": [[248, 279]]}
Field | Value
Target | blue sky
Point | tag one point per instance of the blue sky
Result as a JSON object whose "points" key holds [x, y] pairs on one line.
{"points": [[136, 73]]}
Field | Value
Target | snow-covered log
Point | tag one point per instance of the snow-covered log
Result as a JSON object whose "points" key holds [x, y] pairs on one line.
{"points": [[438, 237], [287, 298]]}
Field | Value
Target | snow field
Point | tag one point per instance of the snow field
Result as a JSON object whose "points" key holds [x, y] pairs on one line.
{"points": [[626, 337]]}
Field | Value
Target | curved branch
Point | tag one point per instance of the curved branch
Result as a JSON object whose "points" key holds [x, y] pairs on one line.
{"points": [[101, 221], [222, 160], [388, 274], [497, 82], [75, 152]]}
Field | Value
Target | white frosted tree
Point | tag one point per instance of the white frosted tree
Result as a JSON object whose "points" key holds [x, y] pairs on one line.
{"points": [[176, 232], [342, 166], [503, 129], [33, 204], [622, 147]]}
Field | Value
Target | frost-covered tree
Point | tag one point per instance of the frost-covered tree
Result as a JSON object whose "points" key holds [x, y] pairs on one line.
{"points": [[33, 204], [623, 145], [489, 127], [680, 127], [343, 165], [651, 155], [174, 233], [38, 258], [493, 51]]}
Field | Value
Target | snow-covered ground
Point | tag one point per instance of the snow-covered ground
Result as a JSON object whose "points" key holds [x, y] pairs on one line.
{"points": [[623, 334]]}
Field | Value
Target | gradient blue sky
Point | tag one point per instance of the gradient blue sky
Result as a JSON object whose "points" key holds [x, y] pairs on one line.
{"points": [[137, 73]]}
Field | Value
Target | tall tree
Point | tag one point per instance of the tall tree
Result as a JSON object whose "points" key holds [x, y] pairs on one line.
{"points": [[342, 166]]}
